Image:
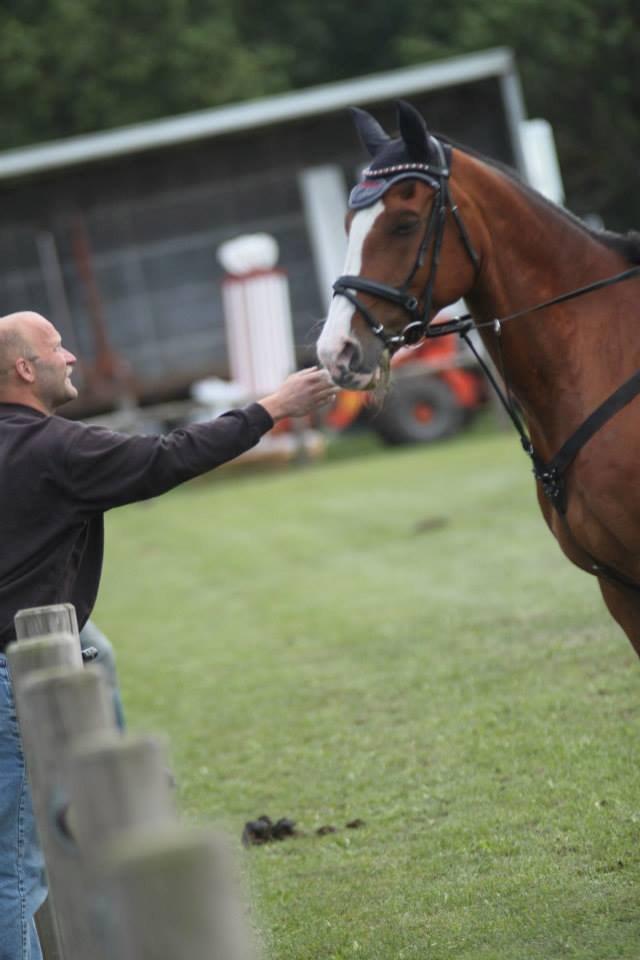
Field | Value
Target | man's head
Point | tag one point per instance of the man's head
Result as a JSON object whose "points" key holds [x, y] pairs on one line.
{"points": [[35, 368]]}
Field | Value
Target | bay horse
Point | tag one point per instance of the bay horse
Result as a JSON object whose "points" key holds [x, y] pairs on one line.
{"points": [[555, 303]]}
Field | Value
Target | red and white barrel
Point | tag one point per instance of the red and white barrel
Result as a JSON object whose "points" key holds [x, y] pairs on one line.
{"points": [[257, 312]]}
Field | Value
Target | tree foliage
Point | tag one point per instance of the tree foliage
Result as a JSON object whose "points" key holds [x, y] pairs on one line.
{"points": [[579, 61], [72, 66]]}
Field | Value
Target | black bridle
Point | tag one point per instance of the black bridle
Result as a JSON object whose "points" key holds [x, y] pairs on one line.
{"points": [[419, 325]]}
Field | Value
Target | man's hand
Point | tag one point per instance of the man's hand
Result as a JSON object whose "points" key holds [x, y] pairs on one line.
{"points": [[300, 393]]}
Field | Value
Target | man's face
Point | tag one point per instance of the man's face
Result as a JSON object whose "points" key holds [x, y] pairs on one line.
{"points": [[53, 366]]}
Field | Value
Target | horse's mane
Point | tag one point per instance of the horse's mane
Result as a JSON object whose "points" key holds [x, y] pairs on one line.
{"points": [[628, 245]]}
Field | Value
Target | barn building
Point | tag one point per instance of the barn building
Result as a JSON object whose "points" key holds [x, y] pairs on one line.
{"points": [[114, 235]]}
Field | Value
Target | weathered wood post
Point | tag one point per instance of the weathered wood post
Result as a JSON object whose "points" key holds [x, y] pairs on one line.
{"points": [[55, 707], [117, 782], [24, 658], [43, 621], [175, 892]]}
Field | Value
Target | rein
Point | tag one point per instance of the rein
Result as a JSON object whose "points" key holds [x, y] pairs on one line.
{"points": [[466, 321], [551, 473]]}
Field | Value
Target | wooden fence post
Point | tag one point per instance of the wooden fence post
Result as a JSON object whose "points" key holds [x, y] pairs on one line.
{"points": [[43, 621], [24, 658], [117, 782], [42, 653], [176, 895], [38, 622], [55, 707]]}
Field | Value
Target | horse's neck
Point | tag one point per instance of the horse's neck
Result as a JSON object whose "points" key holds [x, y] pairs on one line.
{"points": [[536, 253]]}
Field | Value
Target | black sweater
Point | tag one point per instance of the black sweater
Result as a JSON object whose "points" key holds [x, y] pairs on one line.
{"points": [[58, 477]]}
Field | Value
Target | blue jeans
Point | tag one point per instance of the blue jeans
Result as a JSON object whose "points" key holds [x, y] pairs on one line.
{"points": [[91, 636], [22, 882]]}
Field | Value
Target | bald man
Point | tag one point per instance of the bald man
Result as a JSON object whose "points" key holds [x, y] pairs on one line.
{"points": [[57, 479]]}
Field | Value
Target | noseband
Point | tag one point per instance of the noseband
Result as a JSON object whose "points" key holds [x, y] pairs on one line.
{"points": [[419, 325]]}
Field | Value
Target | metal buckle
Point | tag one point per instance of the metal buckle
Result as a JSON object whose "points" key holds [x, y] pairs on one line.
{"points": [[413, 333]]}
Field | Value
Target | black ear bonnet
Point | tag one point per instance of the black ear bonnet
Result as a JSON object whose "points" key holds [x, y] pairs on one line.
{"points": [[412, 155]]}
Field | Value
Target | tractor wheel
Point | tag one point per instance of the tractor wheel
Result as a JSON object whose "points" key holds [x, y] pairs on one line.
{"points": [[419, 408]]}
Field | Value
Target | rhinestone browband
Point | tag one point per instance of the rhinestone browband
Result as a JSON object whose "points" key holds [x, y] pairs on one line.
{"points": [[402, 168]]}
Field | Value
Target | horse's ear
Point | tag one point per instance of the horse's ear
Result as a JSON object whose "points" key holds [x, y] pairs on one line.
{"points": [[413, 131], [369, 130]]}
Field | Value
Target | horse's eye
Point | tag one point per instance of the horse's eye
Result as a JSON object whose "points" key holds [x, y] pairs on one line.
{"points": [[405, 228]]}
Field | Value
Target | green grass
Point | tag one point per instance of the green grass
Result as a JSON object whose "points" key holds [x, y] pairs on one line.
{"points": [[396, 638]]}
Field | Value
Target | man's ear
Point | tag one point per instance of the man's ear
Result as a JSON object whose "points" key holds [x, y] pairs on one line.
{"points": [[24, 370]]}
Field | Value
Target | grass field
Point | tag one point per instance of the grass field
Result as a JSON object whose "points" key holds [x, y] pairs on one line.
{"points": [[395, 638]]}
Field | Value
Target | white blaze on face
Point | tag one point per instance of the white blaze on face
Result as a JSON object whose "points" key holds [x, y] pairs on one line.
{"points": [[337, 328]]}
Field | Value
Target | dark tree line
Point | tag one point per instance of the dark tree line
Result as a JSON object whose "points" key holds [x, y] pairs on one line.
{"points": [[72, 66]]}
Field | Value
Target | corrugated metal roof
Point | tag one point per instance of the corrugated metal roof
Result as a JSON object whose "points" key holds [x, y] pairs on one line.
{"points": [[255, 113]]}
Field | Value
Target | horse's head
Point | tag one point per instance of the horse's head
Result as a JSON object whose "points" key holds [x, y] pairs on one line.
{"points": [[408, 255]]}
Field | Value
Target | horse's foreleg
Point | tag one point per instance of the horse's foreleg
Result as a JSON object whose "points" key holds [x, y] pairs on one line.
{"points": [[624, 607]]}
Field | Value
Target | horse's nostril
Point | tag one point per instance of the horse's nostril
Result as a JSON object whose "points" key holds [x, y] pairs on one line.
{"points": [[350, 356]]}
